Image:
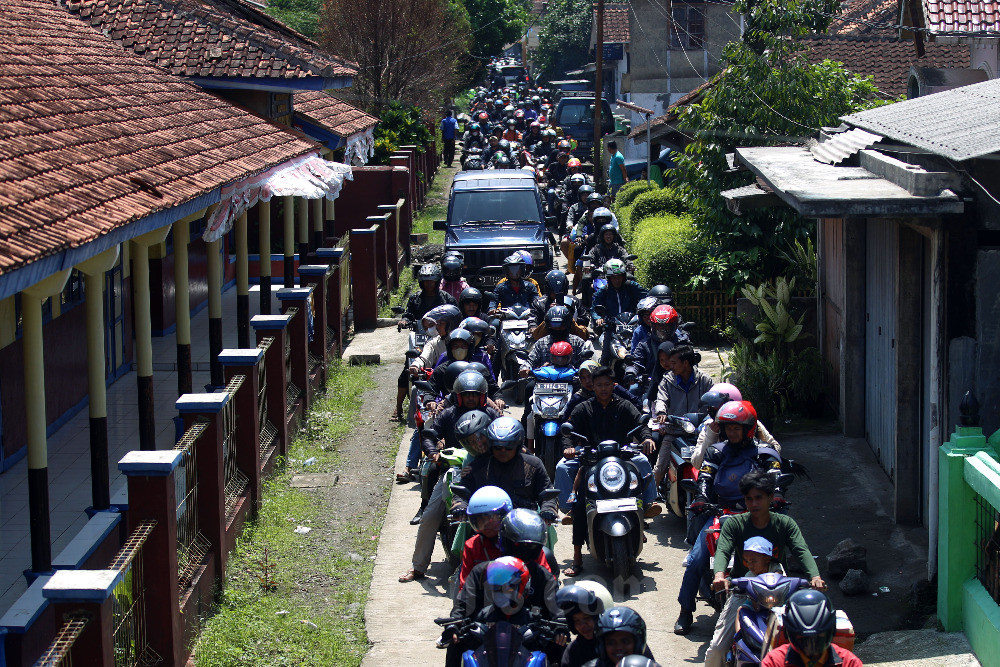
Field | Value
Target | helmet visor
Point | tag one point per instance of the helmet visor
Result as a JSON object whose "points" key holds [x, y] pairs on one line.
{"points": [[514, 270], [487, 521], [477, 443]]}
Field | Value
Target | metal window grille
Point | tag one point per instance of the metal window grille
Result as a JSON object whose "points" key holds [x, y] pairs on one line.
{"points": [[314, 361], [192, 546], [58, 654], [288, 349], [129, 603], [236, 481], [988, 547]]}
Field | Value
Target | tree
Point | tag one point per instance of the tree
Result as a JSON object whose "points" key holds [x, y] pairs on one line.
{"points": [[495, 23], [406, 50], [564, 41], [767, 94], [300, 15]]}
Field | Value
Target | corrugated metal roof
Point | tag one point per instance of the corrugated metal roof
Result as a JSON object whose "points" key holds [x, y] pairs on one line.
{"points": [[841, 146], [959, 124]]}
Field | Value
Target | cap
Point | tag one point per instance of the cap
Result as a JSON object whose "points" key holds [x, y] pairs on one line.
{"points": [[589, 365], [760, 545]]}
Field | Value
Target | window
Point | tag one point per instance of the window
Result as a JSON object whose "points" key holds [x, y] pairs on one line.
{"points": [[73, 293], [688, 27]]}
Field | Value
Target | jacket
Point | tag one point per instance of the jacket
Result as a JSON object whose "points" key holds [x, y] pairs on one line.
{"points": [[599, 423], [644, 361], [507, 296], [478, 549], [616, 301], [675, 398], [443, 428], [784, 656], [541, 593], [707, 437], [433, 349], [539, 354], [523, 478], [582, 395], [454, 287], [601, 253], [417, 305], [725, 463]]}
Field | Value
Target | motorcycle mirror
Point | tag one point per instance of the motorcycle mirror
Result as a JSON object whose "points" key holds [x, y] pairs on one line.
{"points": [[412, 354], [566, 428], [399, 310], [423, 385], [492, 296], [688, 326], [628, 359], [588, 354], [599, 310], [461, 491], [631, 258], [686, 484], [521, 354], [784, 480], [548, 494]]}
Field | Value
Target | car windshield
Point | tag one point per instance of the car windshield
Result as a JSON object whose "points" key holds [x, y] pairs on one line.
{"points": [[512, 71], [576, 114], [494, 205]]}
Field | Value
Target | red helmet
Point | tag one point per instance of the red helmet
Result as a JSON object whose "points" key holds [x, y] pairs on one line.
{"points": [[563, 145], [664, 315], [573, 162], [560, 349], [738, 412], [506, 581], [484, 116]]}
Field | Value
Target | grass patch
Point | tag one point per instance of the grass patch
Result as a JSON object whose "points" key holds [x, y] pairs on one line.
{"points": [[293, 599], [399, 296], [424, 222]]}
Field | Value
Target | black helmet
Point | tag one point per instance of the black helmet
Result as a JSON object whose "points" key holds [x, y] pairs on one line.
{"points": [[479, 328], [481, 369], [621, 619], [504, 145], [516, 260], [663, 294], [460, 334], [470, 431], [575, 599], [810, 622], [452, 372], [451, 267], [557, 317], [585, 190], [445, 313], [429, 272], [470, 294], [607, 227], [711, 401], [557, 281], [522, 534], [595, 198], [470, 381]]}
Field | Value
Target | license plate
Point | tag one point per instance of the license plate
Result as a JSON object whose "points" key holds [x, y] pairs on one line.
{"points": [[551, 388], [487, 279], [617, 505]]}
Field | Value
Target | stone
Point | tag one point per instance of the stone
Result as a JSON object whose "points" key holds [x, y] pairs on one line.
{"points": [[847, 555], [855, 582]]}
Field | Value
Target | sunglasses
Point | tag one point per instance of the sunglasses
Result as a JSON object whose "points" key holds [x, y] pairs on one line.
{"points": [[505, 446]]}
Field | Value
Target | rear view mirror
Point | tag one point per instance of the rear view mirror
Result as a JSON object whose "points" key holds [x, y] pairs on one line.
{"points": [[440, 225], [631, 258], [399, 310]]}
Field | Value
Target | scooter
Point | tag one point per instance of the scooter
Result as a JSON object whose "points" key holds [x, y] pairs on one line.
{"points": [[552, 392], [765, 593], [503, 644], [684, 434], [612, 486], [514, 338], [615, 341]]}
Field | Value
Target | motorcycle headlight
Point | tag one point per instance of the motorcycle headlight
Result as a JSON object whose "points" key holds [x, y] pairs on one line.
{"points": [[633, 483], [591, 485], [621, 351], [550, 406], [612, 476]]}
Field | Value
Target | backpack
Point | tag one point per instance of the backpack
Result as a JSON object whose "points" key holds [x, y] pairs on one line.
{"points": [[735, 464]]}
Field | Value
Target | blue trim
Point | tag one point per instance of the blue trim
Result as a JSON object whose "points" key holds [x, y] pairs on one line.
{"points": [[322, 134], [314, 269], [237, 357], [270, 322], [61, 420], [26, 609], [93, 534], [10, 461], [294, 293], [330, 253], [272, 84], [26, 276]]}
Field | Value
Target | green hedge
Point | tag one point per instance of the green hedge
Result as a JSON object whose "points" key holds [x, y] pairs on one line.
{"points": [[656, 202], [628, 192], [668, 250]]}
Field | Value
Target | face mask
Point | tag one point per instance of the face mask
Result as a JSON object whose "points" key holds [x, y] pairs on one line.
{"points": [[459, 353]]}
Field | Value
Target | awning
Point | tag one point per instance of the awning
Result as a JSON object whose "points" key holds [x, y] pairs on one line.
{"points": [[360, 148], [308, 176]]}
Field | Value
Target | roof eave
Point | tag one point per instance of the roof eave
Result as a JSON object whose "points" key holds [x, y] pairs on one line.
{"points": [[273, 84]]}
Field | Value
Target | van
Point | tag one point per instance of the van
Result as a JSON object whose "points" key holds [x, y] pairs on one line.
{"points": [[575, 115]]}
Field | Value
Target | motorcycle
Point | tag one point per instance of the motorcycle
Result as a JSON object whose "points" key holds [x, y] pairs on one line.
{"points": [[513, 328], [684, 437], [615, 341], [472, 159], [502, 643], [766, 596], [613, 503], [551, 395]]}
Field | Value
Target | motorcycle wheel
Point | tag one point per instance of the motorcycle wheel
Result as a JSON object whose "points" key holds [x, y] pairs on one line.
{"points": [[549, 456], [621, 560], [447, 537], [519, 392]]}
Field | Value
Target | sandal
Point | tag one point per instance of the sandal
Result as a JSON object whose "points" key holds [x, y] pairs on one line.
{"points": [[405, 477], [573, 570], [412, 575]]}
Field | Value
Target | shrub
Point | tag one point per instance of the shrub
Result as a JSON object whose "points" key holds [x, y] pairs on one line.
{"points": [[628, 192], [668, 249], [656, 202]]}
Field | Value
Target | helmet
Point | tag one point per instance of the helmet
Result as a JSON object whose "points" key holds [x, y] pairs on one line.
{"points": [[595, 198], [664, 315], [738, 412], [645, 305], [621, 619], [522, 534], [536, 100], [520, 112], [429, 272], [484, 117], [711, 401], [488, 502], [603, 214], [479, 328], [535, 125], [560, 349], [475, 126], [469, 381], [585, 190], [635, 660], [460, 335], [452, 372], [470, 294], [557, 317], [557, 281], [615, 267], [481, 369], [728, 389], [511, 122], [506, 580], [575, 599], [574, 163], [515, 266], [602, 593], [577, 180], [663, 294], [505, 432], [526, 256], [446, 313], [452, 267], [550, 133], [470, 433], [563, 145], [504, 145], [501, 161], [810, 622]]}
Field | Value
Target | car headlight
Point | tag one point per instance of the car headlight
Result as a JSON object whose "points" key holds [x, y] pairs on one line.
{"points": [[538, 254], [612, 476]]}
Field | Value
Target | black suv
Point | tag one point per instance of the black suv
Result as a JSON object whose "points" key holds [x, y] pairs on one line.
{"points": [[491, 214], [575, 115]]}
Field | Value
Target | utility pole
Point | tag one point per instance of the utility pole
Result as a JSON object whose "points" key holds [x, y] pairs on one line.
{"points": [[598, 96]]}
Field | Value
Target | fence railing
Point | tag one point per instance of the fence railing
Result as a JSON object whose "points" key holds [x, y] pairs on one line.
{"points": [[60, 651], [129, 602], [192, 545], [988, 547]]}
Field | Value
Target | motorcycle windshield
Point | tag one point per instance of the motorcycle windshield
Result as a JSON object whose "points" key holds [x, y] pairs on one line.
{"points": [[503, 644], [555, 374]]}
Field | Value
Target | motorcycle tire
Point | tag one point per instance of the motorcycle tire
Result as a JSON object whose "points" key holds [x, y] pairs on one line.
{"points": [[519, 392], [548, 456], [621, 560]]}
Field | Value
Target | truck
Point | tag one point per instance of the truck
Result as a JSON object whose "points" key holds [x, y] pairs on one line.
{"points": [[491, 214]]}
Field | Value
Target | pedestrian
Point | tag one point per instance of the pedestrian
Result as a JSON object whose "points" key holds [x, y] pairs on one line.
{"points": [[448, 128], [617, 176]]}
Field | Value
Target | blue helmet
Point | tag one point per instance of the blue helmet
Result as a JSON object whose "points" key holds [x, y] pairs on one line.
{"points": [[489, 499], [505, 432]]}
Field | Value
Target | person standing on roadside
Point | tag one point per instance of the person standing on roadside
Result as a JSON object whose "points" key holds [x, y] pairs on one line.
{"points": [[449, 126], [617, 176]]}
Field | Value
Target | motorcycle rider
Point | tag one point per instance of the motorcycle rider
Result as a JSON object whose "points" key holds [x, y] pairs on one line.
{"points": [[720, 394], [511, 133], [603, 417], [459, 347], [620, 295], [609, 244], [473, 138], [533, 136], [556, 293], [664, 321], [810, 625], [643, 309], [470, 302], [448, 430], [621, 632], [718, 481], [487, 510], [679, 392], [557, 320], [516, 289], [451, 270], [577, 206]]}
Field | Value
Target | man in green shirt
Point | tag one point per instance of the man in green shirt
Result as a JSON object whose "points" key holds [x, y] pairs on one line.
{"points": [[757, 487], [617, 175]]}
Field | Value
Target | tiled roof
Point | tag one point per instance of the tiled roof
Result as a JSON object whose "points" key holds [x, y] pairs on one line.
{"points": [[962, 15], [215, 38], [615, 23], [887, 60], [959, 124], [857, 17], [92, 137], [336, 115]]}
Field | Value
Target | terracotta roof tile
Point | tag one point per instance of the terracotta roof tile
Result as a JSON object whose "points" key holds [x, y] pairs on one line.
{"points": [[861, 17], [214, 38], [336, 115], [92, 137], [616, 26], [962, 15], [888, 61]]}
